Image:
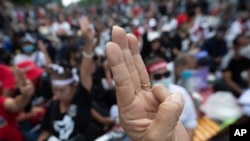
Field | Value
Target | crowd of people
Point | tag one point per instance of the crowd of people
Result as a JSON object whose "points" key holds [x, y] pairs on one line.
{"points": [[56, 82]]}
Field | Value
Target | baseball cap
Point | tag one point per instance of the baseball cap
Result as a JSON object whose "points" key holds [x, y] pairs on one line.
{"points": [[30, 69]]}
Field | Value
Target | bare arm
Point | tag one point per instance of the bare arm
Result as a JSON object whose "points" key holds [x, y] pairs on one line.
{"points": [[86, 76], [44, 50], [228, 78], [98, 117], [43, 136]]}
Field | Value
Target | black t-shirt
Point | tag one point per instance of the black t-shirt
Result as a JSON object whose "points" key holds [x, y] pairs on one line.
{"points": [[72, 123], [236, 67]]}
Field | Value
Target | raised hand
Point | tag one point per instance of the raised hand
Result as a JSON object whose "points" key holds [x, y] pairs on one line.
{"points": [[41, 46], [145, 113], [26, 87], [85, 27]]}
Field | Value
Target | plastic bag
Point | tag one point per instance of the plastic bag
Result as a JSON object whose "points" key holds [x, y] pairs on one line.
{"points": [[222, 106]]}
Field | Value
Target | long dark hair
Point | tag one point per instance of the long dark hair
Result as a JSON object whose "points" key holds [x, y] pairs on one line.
{"points": [[67, 71]]}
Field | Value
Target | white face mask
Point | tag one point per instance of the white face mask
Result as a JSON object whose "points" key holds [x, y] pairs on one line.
{"points": [[166, 82]]}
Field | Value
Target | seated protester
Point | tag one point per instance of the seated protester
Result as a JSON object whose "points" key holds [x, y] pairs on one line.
{"points": [[232, 79], [10, 107], [7, 81], [183, 62], [190, 73], [89, 89], [91, 72], [68, 115], [216, 47], [154, 48], [30, 52], [61, 26], [34, 111], [159, 74]]}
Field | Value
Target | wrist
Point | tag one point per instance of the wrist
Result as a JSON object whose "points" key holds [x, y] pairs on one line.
{"points": [[88, 55]]}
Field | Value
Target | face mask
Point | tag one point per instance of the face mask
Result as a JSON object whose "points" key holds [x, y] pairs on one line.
{"points": [[187, 74], [28, 48], [166, 82]]}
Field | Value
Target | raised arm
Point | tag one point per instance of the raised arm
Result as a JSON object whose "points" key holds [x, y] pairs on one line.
{"points": [[43, 49], [26, 87], [87, 60]]}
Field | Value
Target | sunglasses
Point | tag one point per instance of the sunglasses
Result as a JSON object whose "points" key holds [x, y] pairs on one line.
{"points": [[159, 76]]}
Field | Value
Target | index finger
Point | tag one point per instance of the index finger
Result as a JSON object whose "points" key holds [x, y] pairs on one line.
{"points": [[84, 21], [20, 77], [123, 83]]}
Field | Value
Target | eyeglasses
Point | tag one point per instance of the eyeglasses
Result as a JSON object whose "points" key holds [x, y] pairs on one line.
{"points": [[159, 76]]}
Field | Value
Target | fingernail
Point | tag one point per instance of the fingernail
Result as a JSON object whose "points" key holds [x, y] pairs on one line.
{"points": [[176, 98]]}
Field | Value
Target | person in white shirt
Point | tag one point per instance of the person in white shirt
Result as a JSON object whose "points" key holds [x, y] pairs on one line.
{"points": [[61, 27], [30, 52], [159, 74]]}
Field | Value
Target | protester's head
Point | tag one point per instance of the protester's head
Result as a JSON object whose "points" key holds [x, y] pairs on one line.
{"points": [[31, 71], [28, 44], [74, 54], [61, 18], [220, 33], [158, 72], [165, 37], [239, 43], [64, 81], [154, 39], [184, 63]]}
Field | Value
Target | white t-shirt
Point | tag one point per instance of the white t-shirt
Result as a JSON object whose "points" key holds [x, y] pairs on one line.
{"points": [[60, 27], [188, 116], [37, 57]]}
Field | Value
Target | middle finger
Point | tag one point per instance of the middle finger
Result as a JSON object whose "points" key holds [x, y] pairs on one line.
{"points": [[119, 36]]}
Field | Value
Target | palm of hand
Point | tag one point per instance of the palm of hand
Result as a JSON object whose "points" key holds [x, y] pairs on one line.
{"points": [[140, 113], [25, 86], [145, 114]]}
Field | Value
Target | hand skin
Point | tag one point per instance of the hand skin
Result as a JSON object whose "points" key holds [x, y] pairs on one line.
{"points": [[14, 105], [146, 114]]}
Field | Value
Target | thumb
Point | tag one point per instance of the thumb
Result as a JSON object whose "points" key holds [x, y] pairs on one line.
{"points": [[168, 113]]}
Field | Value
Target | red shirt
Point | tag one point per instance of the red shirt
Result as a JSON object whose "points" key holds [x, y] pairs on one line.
{"points": [[7, 79], [8, 127]]}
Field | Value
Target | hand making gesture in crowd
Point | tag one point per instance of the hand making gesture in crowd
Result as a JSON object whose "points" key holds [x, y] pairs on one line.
{"points": [[145, 113]]}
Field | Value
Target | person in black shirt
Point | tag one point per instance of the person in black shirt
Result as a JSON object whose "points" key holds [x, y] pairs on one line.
{"points": [[68, 115], [238, 64], [78, 112], [153, 47], [216, 47]]}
